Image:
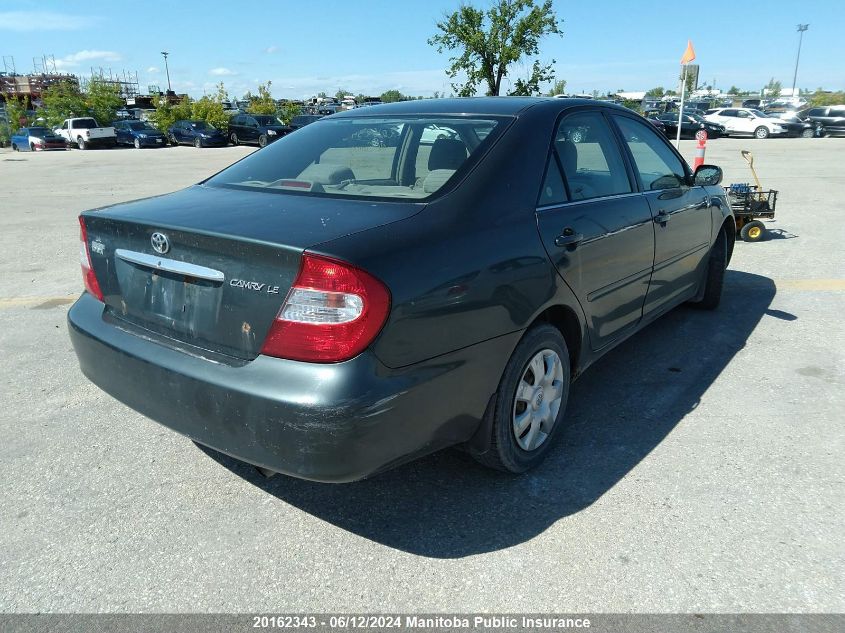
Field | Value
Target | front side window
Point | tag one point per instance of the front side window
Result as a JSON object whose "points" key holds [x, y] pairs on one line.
{"points": [[590, 158], [390, 157], [657, 165]]}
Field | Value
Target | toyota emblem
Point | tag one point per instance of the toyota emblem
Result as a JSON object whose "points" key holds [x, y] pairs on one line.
{"points": [[160, 243]]}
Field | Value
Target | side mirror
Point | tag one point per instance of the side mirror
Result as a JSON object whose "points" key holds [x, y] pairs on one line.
{"points": [[707, 175]]}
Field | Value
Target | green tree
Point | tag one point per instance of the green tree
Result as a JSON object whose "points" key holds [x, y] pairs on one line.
{"points": [[656, 92], [103, 100], [288, 111], [263, 102], [341, 93], [487, 43], [773, 88], [210, 109], [63, 100], [15, 111], [360, 98], [733, 90], [167, 113], [391, 96], [558, 88], [821, 98]]}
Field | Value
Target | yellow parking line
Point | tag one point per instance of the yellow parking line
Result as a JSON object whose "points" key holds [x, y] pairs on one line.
{"points": [[36, 302], [811, 285]]}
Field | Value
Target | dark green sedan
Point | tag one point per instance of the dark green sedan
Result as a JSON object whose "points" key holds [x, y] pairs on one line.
{"points": [[329, 308]]}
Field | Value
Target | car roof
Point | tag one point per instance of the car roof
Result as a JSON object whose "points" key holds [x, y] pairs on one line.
{"points": [[473, 105]]}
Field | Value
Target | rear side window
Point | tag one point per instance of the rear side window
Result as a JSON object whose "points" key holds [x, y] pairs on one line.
{"points": [[657, 165], [385, 157], [553, 191], [590, 158]]}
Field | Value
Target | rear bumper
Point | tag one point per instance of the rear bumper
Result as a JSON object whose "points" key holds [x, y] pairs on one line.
{"points": [[331, 423], [155, 141]]}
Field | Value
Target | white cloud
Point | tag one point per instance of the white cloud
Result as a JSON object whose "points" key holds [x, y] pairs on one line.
{"points": [[221, 72], [45, 21], [75, 59], [153, 69], [271, 49]]}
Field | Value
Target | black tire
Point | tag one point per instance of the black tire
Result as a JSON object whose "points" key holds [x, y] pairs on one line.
{"points": [[808, 134], [234, 139], [15, 147], [32, 147], [761, 132], [754, 231], [80, 143], [198, 143], [714, 278], [173, 141], [504, 452], [262, 140], [137, 144]]}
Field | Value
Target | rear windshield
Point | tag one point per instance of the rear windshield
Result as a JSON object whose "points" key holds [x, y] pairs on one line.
{"points": [[140, 125], [267, 120], [85, 124], [367, 157]]}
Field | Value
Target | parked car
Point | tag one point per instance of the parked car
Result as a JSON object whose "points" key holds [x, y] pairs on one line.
{"points": [[832, 118], [196, 133], [747, 122], [690, 125], [752, 103], [85, 132], [301, 120], [657, 123], [330, 313], [256, 128], [138, 133], [35, 139], [794, 127]]}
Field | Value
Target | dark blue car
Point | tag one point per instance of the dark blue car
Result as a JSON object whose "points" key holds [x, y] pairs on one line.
{"points": [[138, 133], [196, 133]]}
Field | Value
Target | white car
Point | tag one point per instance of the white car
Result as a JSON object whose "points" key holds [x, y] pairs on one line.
{"points": [[741, 121]]}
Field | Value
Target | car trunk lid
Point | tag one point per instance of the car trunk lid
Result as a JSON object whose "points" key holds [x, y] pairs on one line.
{"points": [[224, 263]]}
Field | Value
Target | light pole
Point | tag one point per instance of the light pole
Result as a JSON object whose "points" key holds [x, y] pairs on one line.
{"points": [[167, 69], [801, 29]]}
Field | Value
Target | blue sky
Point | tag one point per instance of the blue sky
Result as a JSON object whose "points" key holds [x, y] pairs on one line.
{"points": [[373, 45]]}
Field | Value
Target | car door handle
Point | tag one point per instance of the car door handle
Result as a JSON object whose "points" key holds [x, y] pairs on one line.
{"points": [[662, 217], [569, 238]]}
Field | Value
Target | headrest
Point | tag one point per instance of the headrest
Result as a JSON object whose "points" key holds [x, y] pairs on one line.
{"points": [[447, 153], [327, 174]]}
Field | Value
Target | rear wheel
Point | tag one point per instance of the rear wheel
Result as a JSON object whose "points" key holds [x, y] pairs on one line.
{"points": [[807, 134], [714, 278], [761, 132], [137, 144], [530, 402], [80, 143], [234, 139], [754, 231], [197, 143], [173, 140], [32, 147], [15, 147], [262, 140]]}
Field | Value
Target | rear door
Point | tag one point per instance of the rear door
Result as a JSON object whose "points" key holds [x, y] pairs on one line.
{"points": [[595, 226], [681, 214]]}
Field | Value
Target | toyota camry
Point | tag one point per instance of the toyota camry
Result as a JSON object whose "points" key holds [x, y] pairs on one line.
{"points": [[329, 308]]}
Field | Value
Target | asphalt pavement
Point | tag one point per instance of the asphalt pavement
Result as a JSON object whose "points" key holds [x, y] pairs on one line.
{"points": [[701, 469]]}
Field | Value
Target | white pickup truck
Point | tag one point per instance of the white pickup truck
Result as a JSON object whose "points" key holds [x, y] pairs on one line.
{"points": [[85, 132]]}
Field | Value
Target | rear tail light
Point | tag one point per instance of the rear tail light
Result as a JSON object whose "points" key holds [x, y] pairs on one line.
{"points": [[332, 313], [88, 276]]}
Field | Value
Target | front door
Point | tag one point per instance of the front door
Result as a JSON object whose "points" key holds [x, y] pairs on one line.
{"points": [[680, 212], [597, 229]]}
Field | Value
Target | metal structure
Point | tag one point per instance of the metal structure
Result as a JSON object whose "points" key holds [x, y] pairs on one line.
{"points": [[801, 28], [29, 88], [125, 83]]}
